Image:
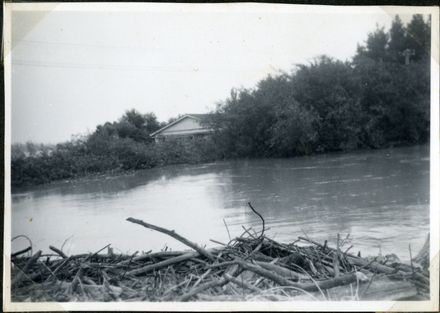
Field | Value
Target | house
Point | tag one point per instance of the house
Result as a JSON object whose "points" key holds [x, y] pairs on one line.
{"points": [[187, 126]]}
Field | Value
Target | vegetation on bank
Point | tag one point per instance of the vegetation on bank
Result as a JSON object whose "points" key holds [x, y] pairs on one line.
{"points": [[378, 99]]}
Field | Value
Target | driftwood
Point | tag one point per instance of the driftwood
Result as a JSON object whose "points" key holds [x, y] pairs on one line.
{"points": [[375, 266], [58, 251], [241, 283], [23, 271], [162, 264], [20, 252], [173, 234], [284, 272], [358, 261], [336, 259], [344, 279], [250, 266], [265, 273], [195, 291]]}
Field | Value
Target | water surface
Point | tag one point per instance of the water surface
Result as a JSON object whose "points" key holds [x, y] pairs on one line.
{"points": [[380, 198]]}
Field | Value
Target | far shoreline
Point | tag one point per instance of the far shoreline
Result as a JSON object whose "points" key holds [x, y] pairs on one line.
{"points": [[114, 174]]}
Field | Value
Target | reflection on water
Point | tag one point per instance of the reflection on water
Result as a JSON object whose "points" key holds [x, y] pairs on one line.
{"points": [[380, 197]]}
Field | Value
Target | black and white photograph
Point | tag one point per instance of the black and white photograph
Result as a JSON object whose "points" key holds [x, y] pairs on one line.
{"points": [[229, 156]]}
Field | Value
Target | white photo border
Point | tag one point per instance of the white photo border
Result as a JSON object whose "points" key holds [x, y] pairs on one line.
{"points": [[431, 305]]}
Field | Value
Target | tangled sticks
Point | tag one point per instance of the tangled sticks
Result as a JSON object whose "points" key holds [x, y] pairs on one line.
{"points": [[247, 268]]}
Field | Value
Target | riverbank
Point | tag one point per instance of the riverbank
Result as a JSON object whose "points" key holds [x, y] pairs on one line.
{"points": [[251, 267], [112, 173]]}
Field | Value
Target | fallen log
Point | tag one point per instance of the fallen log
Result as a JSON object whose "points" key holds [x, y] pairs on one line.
{"points": [[265, 273], [149, 256], [343, 279], [282, 271], [375, 266], [162, 264], [322, 284], [173, 234]]}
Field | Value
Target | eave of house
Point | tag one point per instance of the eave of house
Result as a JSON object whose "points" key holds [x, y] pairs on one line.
{"points": [[157, 132]]}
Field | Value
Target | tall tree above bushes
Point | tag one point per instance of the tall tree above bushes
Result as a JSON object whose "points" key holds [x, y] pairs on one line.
{"points": [[395, 95], [418, 37], [376, 100], [137, 126], [376, 46], [328, 88], [397, 41]]}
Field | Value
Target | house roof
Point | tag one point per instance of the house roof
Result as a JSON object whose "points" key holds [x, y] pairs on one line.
{"points": [[200, 117]]}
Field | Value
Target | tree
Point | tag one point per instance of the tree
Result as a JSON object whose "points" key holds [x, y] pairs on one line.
{"points": [[419, 37], [376, 46], [137, 126], [294, 131], [397, 43], [330, 89]]}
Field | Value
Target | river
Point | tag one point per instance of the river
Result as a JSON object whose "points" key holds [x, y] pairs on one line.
{"points": [[380, 198]]}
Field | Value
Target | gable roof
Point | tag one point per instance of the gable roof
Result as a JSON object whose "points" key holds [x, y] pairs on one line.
{"points": [[199, 117]]}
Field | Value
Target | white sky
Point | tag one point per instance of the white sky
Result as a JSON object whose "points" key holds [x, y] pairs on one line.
{"points": [[74, 70]]}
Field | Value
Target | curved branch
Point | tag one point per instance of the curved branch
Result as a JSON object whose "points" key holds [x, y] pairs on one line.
{"points": [[262, 219]]}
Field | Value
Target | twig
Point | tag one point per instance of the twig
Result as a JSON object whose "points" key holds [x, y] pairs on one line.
{"points": [[346, 251], [410, 257], [257, 248], [246, 231], [58, 268], [195, 291], [336, 258], [262, 219], [50, 271], [241, 283], [227, 229], [368, 286], [218, 242], [92, 255], [58, 251], [202, 277], [23, 236], [65, 241], [174, 287], [15, 254]]}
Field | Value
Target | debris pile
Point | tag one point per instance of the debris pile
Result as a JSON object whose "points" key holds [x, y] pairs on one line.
{"points": [[249, 267]]}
